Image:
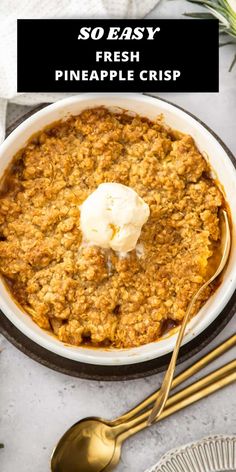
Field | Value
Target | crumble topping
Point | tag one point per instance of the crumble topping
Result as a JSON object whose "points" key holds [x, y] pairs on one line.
{"points": [[87, 294]]}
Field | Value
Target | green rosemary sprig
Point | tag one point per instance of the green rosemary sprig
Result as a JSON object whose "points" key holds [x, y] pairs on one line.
{"points": [[222, 10]]}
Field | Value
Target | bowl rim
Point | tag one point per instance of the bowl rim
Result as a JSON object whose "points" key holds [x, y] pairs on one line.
{"points": [[212, 453], [81, 355]]}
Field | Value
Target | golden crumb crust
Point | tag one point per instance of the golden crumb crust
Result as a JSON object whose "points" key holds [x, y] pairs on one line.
{"points": [[85, 294]]}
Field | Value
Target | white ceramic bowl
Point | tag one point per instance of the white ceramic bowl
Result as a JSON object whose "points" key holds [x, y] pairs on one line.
{"points": [[223, 168]]}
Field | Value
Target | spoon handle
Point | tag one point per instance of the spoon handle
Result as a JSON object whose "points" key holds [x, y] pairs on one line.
{"points": [[168, 378], [208, 390], [194, 392], [179, 379]]}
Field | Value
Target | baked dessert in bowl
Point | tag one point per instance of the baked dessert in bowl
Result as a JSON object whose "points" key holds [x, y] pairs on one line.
{"points": [[121, 302]]}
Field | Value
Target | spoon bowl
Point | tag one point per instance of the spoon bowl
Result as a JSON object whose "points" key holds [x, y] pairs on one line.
{"points": [[88, 445]]}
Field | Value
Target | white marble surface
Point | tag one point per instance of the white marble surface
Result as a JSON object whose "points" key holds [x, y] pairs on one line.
{"points": [[37, 405]]}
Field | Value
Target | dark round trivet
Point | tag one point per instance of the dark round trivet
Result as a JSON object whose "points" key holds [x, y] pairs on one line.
{"points": [[126, 372]]}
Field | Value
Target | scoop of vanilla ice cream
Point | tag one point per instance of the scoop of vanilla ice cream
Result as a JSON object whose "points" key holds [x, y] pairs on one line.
{"points": [[113, 216]]}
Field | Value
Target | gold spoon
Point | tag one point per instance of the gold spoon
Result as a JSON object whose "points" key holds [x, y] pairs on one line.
{"points": [[168, 378], [94, 445]]}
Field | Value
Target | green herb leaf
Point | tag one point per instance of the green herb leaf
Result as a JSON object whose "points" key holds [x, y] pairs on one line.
{"points": [[221, 45], [222, 11], [204, 16], [233, 63]]}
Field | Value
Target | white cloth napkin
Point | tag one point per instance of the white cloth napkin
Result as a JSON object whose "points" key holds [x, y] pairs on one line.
{"points": [[10, 10]]}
